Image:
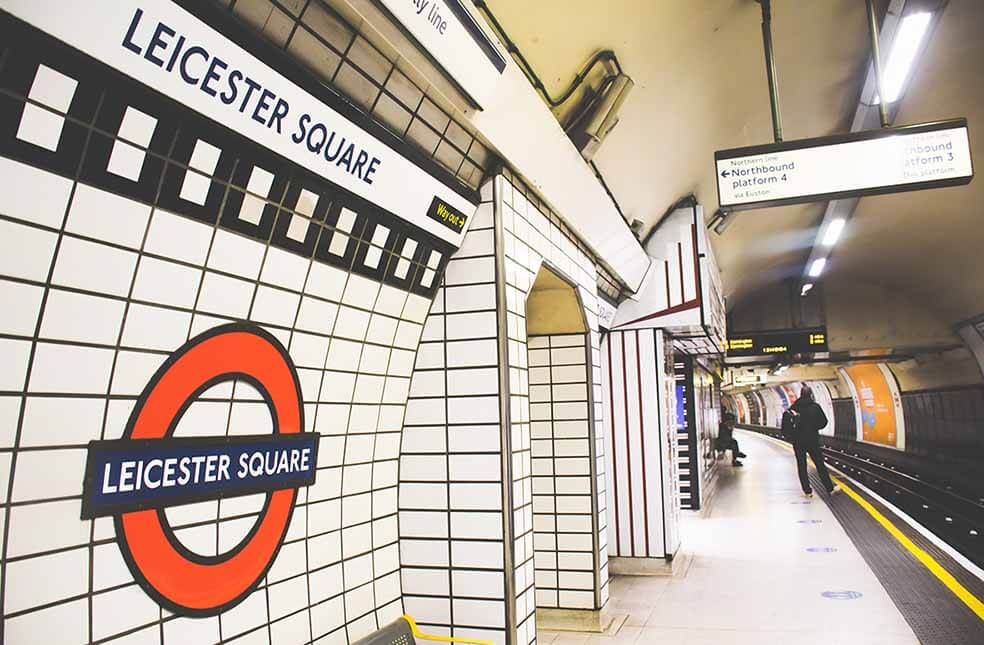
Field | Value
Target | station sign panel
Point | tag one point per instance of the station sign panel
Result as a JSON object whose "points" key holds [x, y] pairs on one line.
{"points": [[786, 341], [167, 47], [450, 35], [874, 162]]}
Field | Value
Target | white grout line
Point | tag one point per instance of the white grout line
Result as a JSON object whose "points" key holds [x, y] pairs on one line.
{"points": [[922, 530]]}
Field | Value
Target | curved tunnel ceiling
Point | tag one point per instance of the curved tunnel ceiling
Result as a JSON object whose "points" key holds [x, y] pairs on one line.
{"points": [[701, 86]]}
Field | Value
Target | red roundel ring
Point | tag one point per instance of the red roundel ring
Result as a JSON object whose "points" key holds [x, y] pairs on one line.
{"points": [[203, 586]]}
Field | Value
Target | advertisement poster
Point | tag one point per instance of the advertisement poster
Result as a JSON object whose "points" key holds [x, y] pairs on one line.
{"points": [[877, 404]]}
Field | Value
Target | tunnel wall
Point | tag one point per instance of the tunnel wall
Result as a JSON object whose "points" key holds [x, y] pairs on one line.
{"points": [[940, 424], [131, 224]]}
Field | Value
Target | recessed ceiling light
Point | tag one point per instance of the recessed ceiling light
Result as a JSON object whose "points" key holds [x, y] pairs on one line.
{"points": [[817, 267], [833, 232], [908, 38]]}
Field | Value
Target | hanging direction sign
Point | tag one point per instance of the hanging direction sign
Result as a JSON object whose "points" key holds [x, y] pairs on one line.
{"points": [[874, 162]]}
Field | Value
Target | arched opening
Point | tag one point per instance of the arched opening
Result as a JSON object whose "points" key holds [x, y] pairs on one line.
{"points": [[565, 506]]}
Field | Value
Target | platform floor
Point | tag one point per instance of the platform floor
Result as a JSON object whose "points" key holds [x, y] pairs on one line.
{"points": [[760, 569]]}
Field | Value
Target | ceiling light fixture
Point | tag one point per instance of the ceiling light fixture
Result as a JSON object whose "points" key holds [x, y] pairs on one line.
{"points": [[817, 267], [806, 288], [833, 232], [909, 37]]}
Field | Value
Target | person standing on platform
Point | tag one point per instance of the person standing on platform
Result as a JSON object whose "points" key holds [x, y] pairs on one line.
{"points": [[810, 419]]}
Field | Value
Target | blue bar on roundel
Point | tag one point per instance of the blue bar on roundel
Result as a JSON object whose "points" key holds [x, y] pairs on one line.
{"points": [[128, 475]]}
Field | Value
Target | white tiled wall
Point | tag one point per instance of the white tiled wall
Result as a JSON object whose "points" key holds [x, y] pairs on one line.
{"points": [[468, 560], [101, 281], [531, 238], [451, 494], [561, 434], [640, 429]]}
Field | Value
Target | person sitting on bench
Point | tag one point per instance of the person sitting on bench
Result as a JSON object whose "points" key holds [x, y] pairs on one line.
{"points": [[727, 441]]}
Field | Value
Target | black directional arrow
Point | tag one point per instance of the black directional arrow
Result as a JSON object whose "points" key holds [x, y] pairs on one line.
{"points": [[724, 173]]}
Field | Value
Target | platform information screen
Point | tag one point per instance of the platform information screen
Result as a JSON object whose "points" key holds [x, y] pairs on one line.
{"points": [[786, 341], [889, 160]]}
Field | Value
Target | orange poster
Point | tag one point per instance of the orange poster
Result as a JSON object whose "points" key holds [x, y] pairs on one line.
{"points": [[877, 404]]}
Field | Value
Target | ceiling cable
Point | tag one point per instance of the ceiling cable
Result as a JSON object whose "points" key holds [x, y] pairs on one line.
{"points": [[605, 55]]}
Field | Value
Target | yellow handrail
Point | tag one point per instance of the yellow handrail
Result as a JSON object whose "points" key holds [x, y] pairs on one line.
{"points": [[442, 639]]}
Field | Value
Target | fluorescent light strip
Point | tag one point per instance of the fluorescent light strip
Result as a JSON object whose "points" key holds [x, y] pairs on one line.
{"points": [[909, 37], [817, 267], [833, 231]]}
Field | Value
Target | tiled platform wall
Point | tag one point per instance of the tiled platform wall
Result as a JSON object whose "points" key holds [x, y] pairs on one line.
{"points": [[563, 503], [640, 432], [451, 472], [468, 537], [128, 224]]}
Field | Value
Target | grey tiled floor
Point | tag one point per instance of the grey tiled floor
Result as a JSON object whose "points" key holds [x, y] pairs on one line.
{"points": [[752, 581]]}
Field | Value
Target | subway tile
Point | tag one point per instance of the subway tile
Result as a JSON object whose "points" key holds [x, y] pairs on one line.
{"points": [[29, 581], [235, 254], [427, 582], [62, 368], [48, 474], [360, 292], [192, 630], [382, 329], [475, 467], [474, 438], [158, 328], [91, 266], [469, 298], [167, 283], [62, 623], [117, 611], [423, 468], [473, 409], [286, 597], [482, 613], [472, 353], [44, 204], [274, 306], [316, 315], [473, 381], [132, 372], [351, 323], [80, 317], [424, 439], [284, 269], [413, 495], [326, 281], [422, 524]]}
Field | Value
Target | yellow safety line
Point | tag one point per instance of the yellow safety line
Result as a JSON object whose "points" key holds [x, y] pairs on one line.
{"points": [[944, 576], [443, 639], [927, 560]]}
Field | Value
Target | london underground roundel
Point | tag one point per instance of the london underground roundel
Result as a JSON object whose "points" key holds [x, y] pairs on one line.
{"points": [[134, 479]]}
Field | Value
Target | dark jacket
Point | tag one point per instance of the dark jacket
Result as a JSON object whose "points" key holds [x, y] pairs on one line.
{"points": [[725, 432], [811, 420]]}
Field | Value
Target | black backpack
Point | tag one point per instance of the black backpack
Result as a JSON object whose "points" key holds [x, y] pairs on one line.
{"points": [[788, 426]]}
